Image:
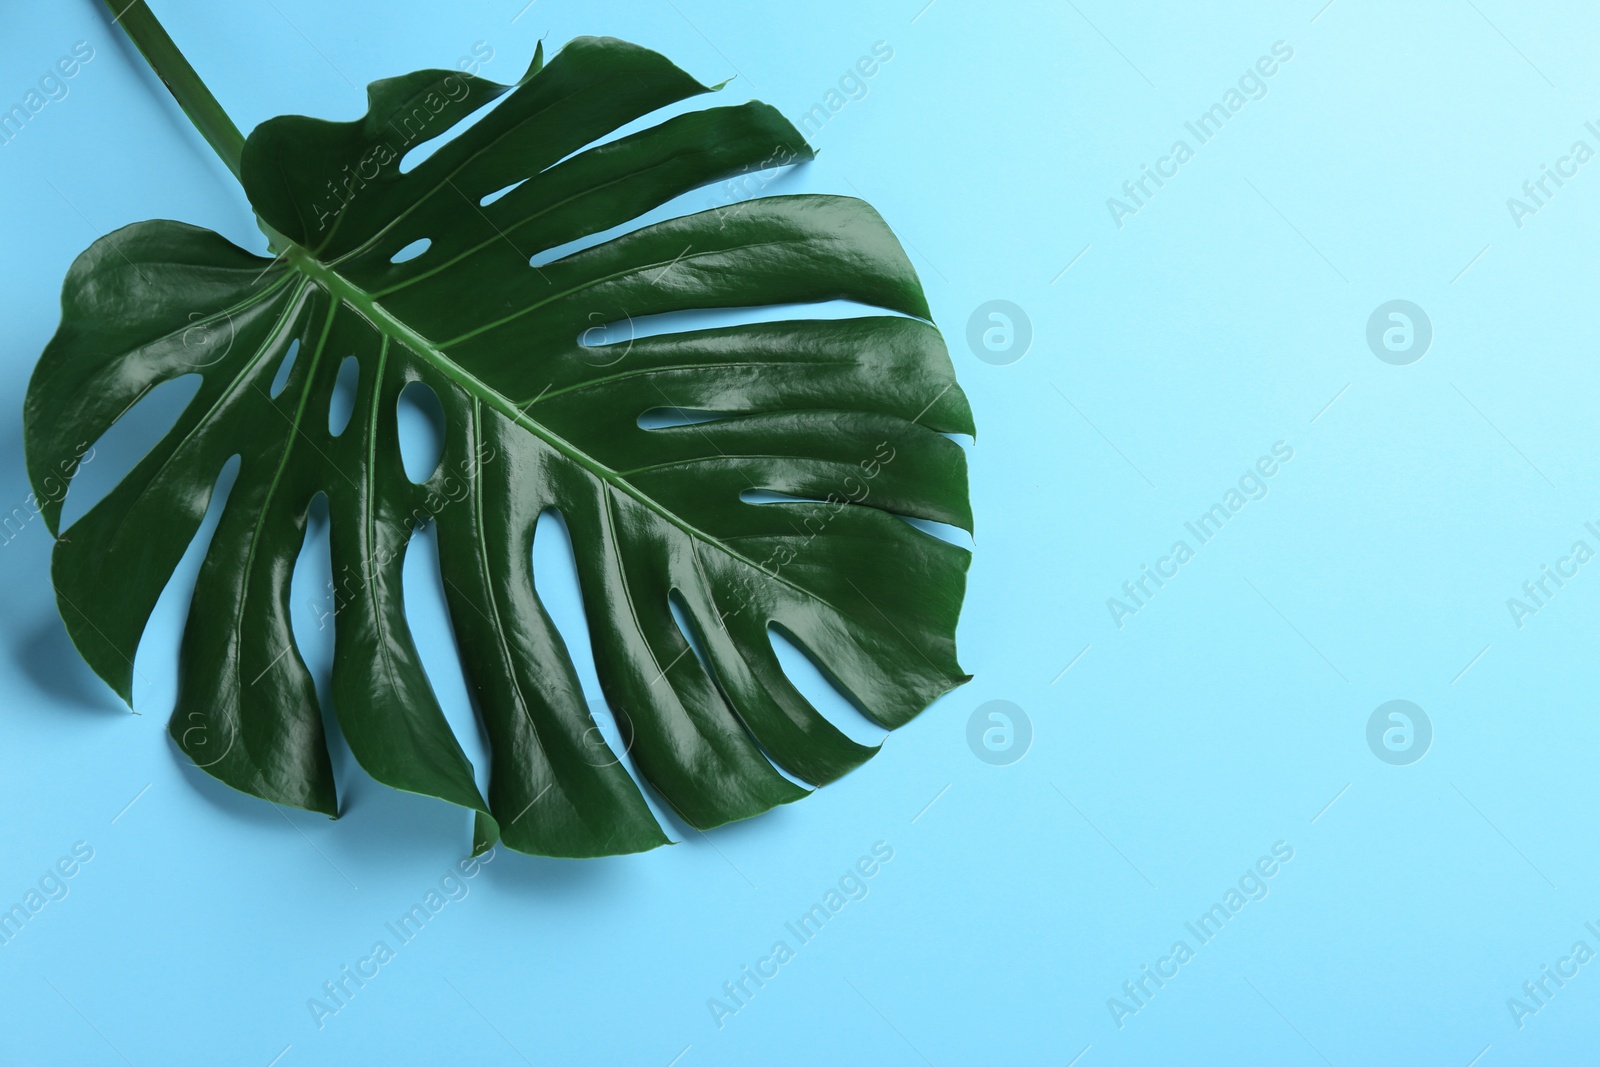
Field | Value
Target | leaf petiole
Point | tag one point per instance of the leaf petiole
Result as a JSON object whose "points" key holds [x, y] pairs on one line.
{"points": [[181, 79], [188, 89]]}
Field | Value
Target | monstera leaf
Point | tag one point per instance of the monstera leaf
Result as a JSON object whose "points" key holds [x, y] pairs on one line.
{"points": [[840, 425]]}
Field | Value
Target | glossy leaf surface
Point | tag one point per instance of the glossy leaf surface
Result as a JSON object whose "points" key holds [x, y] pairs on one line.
{"points": [[845, 420]]}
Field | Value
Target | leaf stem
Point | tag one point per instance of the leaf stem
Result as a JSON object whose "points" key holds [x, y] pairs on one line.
{"points": [[181, 79]]}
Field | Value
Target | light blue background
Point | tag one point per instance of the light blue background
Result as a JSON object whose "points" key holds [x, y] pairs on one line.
{"points": [[1224, 717]]}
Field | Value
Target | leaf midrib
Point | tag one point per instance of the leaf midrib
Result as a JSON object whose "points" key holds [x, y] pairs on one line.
{"points": [[425, 349]]}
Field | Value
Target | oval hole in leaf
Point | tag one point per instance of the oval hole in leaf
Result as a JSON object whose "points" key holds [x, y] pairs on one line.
{"points": [[412, 250], [157, 653], [599, 333], [952, 535], [343, 402], [680, 615], [498, 193], [805, 674], [432, 128], [421, 420], [691, 634], [125, 443], [767, 496], [555, 581], [944, 531], [666, 418], [314, 606], [281, 378], [428, 617], [727, 195]]}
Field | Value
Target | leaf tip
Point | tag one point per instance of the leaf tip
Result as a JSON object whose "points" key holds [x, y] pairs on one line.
{"points": [[536, 65]]}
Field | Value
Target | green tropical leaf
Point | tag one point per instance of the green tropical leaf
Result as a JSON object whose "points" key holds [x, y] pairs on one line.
{"points": [[845, 420]]}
